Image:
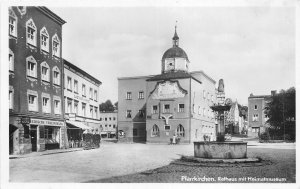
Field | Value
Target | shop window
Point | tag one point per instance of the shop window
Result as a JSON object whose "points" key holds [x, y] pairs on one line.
{"points": [[57, 106], [141, 95], [45, 72], [42, 131], [75, 86], [155, 131], [180, 131], [181, 108], [55, 46], [128, 113], [31, 33], [167, 108], [12, 27], [83, 90], [56, 76], [46, 104], [44, 36], [135, 132], [51, 135], [128, 96], [154, 109], [11, 59]]}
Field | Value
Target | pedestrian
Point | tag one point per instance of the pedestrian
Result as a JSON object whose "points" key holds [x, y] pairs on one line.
{"points": [[174, 139]]}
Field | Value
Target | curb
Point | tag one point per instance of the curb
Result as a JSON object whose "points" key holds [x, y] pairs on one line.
{"points": [[42, 154]]}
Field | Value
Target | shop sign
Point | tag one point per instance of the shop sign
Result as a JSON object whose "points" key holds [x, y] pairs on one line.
{"points": [[25, 120], [47, 122]]}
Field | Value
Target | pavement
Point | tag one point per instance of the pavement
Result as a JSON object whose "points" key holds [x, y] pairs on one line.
{"points": [[110, 160]]}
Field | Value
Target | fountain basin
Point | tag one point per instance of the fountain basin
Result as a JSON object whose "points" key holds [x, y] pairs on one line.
{"points": [[220, 150]]}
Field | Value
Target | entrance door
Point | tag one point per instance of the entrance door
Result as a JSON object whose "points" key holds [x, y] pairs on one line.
{"points": [[33, 140]]}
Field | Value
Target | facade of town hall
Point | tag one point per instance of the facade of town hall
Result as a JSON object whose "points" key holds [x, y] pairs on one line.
{"points": [[176, 102]]}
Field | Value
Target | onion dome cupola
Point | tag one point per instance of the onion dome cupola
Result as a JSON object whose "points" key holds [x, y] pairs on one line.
{"points": [[175, 58]]}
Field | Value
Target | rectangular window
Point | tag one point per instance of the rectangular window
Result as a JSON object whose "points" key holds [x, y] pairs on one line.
{"points": [[95, 95], [114, 126], [32, 103], [45, 74], [105, 119], [69, 106], [91, 93], [167, 108], [255, 117], [255, 107], [31, 34], [199, 110], [91, 111], [11, 62], [167, 127], [114, 118], [11, 99], [56, 48], [44, 43], [128, 96], [255, 129], [56, 79], [141, 95], [96, 112], [128, 113], [141, 113], [75, 86], [12, 27], [69, 83], [181, 108], [76, 107], [83, 90], [31, 69], [135, 132], [83, 109], [154, 109], [46, 105], [57, 107]]}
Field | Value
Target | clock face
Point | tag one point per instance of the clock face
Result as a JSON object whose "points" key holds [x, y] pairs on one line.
{"points": [[170, 65]]}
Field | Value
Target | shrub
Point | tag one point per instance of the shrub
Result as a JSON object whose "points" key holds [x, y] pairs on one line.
{"points": [[264, 136]]}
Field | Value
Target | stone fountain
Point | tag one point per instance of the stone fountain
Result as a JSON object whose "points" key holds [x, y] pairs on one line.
{"points": [[221, 149]]}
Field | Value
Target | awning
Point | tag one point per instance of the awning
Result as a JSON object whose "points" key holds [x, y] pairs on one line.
{"points": [[78, 124]]}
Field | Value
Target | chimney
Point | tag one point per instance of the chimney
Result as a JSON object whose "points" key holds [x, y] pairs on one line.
{"points": [[273, 93]]}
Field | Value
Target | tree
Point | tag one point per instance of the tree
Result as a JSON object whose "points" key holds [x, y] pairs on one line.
{"points": [[107, 106], [281, 112], [116, 105]]}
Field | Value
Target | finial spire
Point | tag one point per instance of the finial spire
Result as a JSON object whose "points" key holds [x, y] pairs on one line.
{"points": [[175, 37]]}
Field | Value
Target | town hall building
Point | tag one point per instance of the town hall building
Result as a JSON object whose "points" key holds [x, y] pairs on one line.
{"points": [[176, 102]]}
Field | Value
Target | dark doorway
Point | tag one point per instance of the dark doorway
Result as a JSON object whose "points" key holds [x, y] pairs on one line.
{"points": [[12, 130], [33, 140]]}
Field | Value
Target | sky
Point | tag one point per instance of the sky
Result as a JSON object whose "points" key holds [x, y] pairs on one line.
{"points": [[251, 48]]}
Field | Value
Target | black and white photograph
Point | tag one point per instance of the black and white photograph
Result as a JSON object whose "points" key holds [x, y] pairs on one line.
{"points": [[180, 92]]}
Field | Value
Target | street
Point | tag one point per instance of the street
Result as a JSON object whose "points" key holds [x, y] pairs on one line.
{"points": [[113, 160]]}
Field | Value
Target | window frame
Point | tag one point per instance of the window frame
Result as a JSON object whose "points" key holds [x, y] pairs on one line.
{"points": [[155, 111], [46, 109], [11, 97], [32, 107], [44, 32], [75, 86], [56, 81], [141, 95], [180, 110], [30, 24], [129, 95], [57, 110], [12, 16], [155, 131], [45, 65], [30, 59], [56, 40], [128, 112], [11, 61]]}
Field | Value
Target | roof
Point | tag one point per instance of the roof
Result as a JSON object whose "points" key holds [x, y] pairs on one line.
{"points": [[259, 96], [82, 72], [172, 75], [52, 15], [175, 52]]}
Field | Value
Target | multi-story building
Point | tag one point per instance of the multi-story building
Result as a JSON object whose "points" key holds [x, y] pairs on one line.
{"points": [[81, 101], [109, 124], [234, 122], [36, 116], [256, 113], [176, 102]]}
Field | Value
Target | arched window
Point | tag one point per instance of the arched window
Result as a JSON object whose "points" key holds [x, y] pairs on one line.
{"points": [[155, 131], [12, 23], [56, 76], [31, 67], [31, 32], [180, 130], [44, 36], [55, 46], [45, 72]]}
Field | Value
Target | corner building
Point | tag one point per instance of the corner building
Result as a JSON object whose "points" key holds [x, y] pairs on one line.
{"points": [[177, 102], [36, 116]]}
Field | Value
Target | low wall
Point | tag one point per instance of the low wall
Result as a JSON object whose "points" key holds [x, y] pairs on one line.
{"points": [[220, 150]]}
